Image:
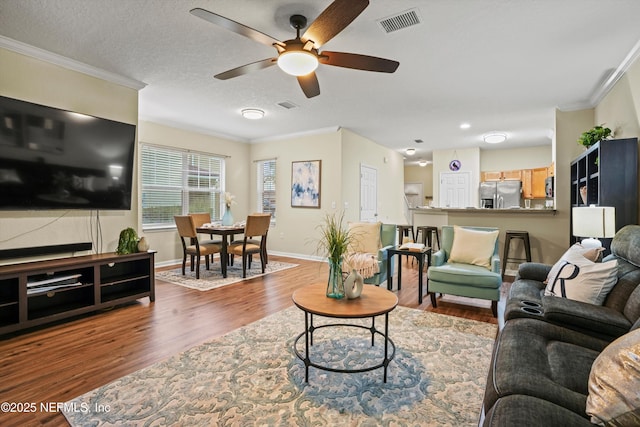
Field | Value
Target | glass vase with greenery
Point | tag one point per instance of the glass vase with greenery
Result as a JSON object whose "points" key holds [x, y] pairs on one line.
{"points": [[334, 242]]}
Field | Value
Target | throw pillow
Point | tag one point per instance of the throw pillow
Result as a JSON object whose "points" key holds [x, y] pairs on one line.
{"points": [[578, 278], [365, 237], [473, 246], [614, 382], [592, 254]]}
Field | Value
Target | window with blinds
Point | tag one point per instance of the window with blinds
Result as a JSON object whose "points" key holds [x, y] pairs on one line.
{"points": [[267, 187], [177, 182]]}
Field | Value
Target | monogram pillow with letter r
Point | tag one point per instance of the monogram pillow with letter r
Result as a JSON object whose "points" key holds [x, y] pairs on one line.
{"points": [[578, 278]]}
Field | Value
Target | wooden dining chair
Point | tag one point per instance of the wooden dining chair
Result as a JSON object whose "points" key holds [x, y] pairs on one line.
{"points": [[257, 226], [200, 218], [193, 247]]}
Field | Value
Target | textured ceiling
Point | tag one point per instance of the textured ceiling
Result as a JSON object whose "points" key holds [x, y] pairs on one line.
{"points": [[497, 64]]}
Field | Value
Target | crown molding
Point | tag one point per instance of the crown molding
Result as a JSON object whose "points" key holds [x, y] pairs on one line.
{"points": [[71, 64], [612, 79], [321, 131]]}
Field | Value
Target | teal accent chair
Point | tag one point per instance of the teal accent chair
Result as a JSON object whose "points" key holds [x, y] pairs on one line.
{"points": [[388, 239], [466, 280]]}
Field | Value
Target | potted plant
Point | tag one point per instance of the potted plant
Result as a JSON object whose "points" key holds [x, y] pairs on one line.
{"points": [[334, 242], [595, 134]]}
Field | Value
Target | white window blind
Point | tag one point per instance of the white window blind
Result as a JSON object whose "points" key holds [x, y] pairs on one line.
{"points": [[267, 187], [178, 182]]}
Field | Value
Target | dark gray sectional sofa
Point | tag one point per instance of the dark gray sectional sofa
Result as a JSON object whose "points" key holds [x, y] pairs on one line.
{"points": [[542, 359]]}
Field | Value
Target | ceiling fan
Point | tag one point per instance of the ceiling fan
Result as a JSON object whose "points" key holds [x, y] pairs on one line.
{"points": [[300, 56]]}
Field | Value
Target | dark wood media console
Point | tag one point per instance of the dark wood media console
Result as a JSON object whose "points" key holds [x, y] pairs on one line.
{"points": [[36, 293]]}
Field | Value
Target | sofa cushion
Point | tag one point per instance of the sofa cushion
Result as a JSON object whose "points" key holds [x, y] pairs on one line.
{"points": [[365, 237], [465, 274], [527, 411], [578, 278], [626, 244], [614, 383], [542, 360], [473, 246]]}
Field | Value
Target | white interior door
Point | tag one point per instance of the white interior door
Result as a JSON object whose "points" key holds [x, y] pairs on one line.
{"points": [[368, 193], [455, 189]]}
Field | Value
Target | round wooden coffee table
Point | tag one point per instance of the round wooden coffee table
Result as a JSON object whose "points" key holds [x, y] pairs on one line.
{"points": [[373, 302]]}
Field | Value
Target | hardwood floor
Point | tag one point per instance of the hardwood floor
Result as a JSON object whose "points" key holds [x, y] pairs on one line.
{"points": [[59, 362]]}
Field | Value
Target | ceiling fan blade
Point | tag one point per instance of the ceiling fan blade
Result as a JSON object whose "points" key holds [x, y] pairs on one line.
{"points": [[309, 84], [334, 19], [234, 26], [246, 69], [359, 62]]}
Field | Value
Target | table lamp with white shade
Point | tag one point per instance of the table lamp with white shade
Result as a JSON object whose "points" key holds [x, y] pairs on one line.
{"points": [[593, 223]]}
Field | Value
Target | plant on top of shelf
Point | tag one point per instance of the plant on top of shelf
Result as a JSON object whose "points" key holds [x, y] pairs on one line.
{"points": [[595, 134]]}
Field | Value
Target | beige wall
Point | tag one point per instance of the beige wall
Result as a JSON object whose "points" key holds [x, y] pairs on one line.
{"points": [[423, 175], [41, 82], [516, 158], [357, 151], [341, 153]]}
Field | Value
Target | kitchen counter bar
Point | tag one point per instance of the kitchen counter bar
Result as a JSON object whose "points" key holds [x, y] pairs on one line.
{"points": [[482, 211]]}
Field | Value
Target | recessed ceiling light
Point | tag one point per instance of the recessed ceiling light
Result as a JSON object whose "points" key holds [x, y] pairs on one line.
{"points": [[252, 113], [410, 151], [494, 138], [465, 126]]}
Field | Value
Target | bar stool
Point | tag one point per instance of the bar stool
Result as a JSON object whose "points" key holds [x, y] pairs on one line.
{"points": [[403, 231], [515, 234], [427, 232]]}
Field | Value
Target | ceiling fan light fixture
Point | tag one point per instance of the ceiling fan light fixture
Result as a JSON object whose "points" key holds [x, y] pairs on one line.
{"points": [[252, 113], [494, 138], [297, 62]]}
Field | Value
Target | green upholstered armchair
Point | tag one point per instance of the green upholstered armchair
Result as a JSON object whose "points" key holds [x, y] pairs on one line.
{"points": [[462, 279], [388, 239]]}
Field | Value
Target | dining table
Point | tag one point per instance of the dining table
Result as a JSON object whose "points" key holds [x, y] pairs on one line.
{"points": [[224, 231]]}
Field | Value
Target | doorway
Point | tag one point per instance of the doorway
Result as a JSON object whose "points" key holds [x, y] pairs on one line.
{"points": [[368, 194], [455, 189]]}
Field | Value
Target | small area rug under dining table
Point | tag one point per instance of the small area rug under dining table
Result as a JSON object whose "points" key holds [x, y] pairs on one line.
{"points": [[251, 376], [212, 278]]}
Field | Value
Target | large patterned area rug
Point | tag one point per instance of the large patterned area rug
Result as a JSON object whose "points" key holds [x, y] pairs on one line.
{"points": [[212, 278], [251, 377]]}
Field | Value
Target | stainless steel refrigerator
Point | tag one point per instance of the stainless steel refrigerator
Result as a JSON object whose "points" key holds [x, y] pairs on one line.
{"points": [[500, 194]]}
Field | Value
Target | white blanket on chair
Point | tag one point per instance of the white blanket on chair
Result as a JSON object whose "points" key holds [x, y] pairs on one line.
{"points": [[364, 263]]}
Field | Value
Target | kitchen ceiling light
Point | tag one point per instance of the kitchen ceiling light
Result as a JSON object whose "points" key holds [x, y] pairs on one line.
{"points": [[465, 126], [495, 138], [410, 151], [252, 113]]}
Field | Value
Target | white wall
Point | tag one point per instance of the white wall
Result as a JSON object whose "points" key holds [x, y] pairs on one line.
{"points": [[34, 80]]}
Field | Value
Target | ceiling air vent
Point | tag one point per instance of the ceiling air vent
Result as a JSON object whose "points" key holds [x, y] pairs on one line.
{"points": [[399, 21], [287, 104]]}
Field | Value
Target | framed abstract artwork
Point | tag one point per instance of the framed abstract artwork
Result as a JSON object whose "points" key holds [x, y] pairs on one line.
{"points": [[305, 183]]}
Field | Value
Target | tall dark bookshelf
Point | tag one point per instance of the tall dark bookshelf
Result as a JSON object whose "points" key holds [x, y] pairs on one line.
{"points": [[609, 171]]}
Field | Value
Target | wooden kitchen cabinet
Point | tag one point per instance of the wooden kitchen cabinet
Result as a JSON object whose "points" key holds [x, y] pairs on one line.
{"points": [[514, 175], [490, 176], [538, 178]]}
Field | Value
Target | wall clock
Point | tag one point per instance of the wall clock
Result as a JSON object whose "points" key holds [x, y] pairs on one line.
{"points": [[455, 165]]}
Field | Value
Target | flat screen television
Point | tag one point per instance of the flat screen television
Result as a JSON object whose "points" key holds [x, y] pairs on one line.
{"points": [[57, 159]]}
